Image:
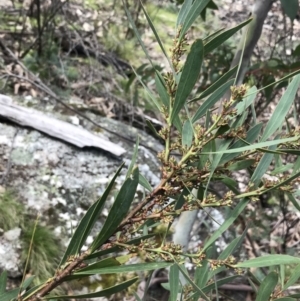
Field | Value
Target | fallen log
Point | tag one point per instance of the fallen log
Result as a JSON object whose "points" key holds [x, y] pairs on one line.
{"points": [[55, 128]]}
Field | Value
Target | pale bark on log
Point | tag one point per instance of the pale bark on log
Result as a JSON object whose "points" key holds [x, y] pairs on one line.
{"points": [[55, 128]]}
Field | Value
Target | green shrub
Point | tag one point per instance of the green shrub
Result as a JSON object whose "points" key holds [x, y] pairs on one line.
{"points": [[202, 146]]}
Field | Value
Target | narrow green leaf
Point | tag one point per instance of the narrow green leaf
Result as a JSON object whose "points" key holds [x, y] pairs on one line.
{"points": [[293, 278], [114, 249], [3, 281], [267, 287], [28, 282], [195, 287], [94, 268], [217, 84], [156, 34], [281, 110], [229, 221], [149, 93], [282, 169], [288, 180], [187, 134], [252, 135], [239, 165], [211, 100], [247, 100], [178, 124], [148, 266], [118, 210], [233, 246], [256, 146], [293, 200], [218, 283], [296, 165], [186, 6], [161, 89], [104, 293], [222, 37], [143, 181], [137, 34], [134, 158], [88, 221], [189, 77], [262, 167], [136, 296], [231, 184], [174, 282], [9, 295], [268, 260], [191, 12], [201, 274], [285, 299], [152, 128]]}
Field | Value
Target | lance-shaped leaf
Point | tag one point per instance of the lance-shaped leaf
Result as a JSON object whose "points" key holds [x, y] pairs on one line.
{"points": [[3, 280], [218, 283], [156, 34], [118, 210], [211, 100], [222, 80], [174, 282], [88, 221], [256, 146], [267, 287], [262, 167], [161, 89], [229, 221], [147, 266], [195, 287], [268, 260], [222, 37], [281, 110], [233, 246], [111, 250], [252, 135], [144, 182], [103, 293], [187, 134], [189, 76], [189, 12], [201, 274], [293, 278]]}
